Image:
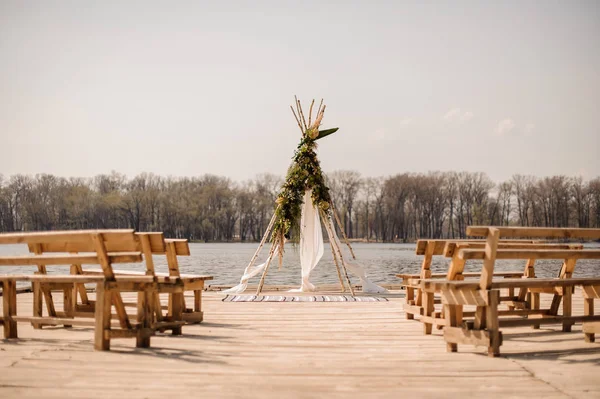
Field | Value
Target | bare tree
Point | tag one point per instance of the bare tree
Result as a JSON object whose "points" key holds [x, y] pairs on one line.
{"points": [[402, 207], [345, 185]]}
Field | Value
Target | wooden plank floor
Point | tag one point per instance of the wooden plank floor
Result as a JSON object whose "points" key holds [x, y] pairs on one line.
{"points": [[297, 350]]}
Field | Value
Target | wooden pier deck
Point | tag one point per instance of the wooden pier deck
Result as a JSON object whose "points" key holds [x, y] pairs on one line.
{"points": [[297, 350]]}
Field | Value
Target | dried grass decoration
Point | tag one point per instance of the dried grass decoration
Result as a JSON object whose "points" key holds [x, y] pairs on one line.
{"points": [[304, 173]]}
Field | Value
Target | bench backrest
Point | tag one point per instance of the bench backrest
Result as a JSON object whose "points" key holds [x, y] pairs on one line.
{"points": [[537, 232], [101, 247], [431, 248], [489, 253], [147, 243], [169, 247], [439, 245], [460, 252], [451, 248]]}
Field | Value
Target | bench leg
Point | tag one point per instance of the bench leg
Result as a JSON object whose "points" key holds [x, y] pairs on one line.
{"points": [[79, 288], [410, 296], [117, 301], [428, 309], [184, 307], [49, 301], [480, 318], [103, 315], [524, 293], [528, 298], [144, 317], [511, 294], [451, 312], [68, 304], [157, 307], [588, 310], [198, 304], [197, 301], [9, 308], [170, 306], [492, 323], [176, 302], [419, 297], [37, 303], [442, 316], [535, 304], [567, 307]]}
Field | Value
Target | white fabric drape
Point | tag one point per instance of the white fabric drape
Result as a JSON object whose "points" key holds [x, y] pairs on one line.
{"points": [[353, 266], [250, 272], [311, 252], [311, 242]]}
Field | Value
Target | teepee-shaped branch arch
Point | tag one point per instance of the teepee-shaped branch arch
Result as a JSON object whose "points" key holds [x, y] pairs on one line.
{"points": [[303, 174], [305, 199]]}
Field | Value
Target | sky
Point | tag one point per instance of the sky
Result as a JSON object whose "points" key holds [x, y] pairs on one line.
{"points": [[192, 88]]}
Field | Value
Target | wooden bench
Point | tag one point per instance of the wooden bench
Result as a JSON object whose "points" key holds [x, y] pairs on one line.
{"points": [[430, 248], [155, 244], [484, 294], [148, 244], [194, 283], [123, 249], [527, 298], [455, 272]]}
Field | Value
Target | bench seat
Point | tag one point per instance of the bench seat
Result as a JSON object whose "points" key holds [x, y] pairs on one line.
{"points": [[484, 329], [157, 274], [90, 247], [150, 244], [416, 276], [506, 254], [433, 285]]}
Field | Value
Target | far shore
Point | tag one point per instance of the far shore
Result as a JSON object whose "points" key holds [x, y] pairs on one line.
{"points": [[361, 241], [352, 240]]}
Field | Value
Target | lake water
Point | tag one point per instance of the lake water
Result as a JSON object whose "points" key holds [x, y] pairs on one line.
{"points": [[226, 262]]}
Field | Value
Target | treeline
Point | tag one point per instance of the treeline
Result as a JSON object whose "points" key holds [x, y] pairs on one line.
{"points": [[213, 208]]}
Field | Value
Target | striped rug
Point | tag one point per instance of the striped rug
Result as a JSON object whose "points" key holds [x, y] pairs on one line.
{"points": [[302, 298]]}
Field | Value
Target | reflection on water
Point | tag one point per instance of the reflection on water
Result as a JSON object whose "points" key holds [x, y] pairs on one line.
{"points": [[226, 262]]}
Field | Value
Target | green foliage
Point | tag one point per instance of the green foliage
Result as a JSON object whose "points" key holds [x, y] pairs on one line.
{"points": [[304, 173], [325, 133]]}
